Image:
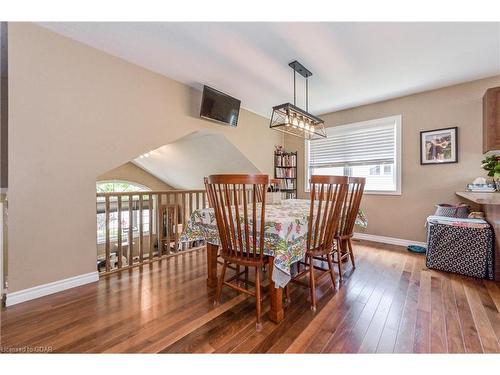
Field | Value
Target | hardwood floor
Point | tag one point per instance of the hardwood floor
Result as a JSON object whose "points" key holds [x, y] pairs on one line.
{"points": [[390, 303]]}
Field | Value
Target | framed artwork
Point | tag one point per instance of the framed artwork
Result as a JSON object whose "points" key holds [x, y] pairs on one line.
{"points": [[439, 146]]}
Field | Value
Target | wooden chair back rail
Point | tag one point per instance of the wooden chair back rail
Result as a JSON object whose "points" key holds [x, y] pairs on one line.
{"points": [[350, 206], [240, 220], [241, 191], [324, 212], [142, 242], [259, 193], [205, 182]]}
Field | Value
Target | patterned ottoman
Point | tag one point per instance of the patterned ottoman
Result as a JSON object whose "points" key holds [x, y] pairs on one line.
{"points": [[463, 246]]}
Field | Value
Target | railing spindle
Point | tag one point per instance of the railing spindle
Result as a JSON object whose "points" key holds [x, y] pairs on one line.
{"points": [[159, 225], [119, 234], [130, 232], [176, 229], [141, 234], [108, 252], [183, 210], [150, 209]]}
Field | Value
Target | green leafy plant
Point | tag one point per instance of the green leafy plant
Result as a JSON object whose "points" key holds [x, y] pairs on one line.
{"points": [[492, 165]]}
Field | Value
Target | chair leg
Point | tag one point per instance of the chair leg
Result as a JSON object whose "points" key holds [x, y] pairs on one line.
{"points": [[312, 284], [339, 258], [258, 325], [246, 277], [351, 254], [219, 286], [330, 266], [287, 293]]}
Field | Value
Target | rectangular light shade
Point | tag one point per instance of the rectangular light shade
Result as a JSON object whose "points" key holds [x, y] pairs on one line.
{"points": [[292, 120]]}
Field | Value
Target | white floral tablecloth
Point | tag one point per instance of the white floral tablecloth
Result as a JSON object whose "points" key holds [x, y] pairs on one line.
{"points": [[285, 233]]}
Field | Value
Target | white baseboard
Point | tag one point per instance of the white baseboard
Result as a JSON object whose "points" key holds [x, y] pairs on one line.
{"points": [[387, 240], [57, 286]]}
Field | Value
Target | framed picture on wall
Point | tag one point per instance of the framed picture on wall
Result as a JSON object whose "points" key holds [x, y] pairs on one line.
{"points": [[439, 146]]}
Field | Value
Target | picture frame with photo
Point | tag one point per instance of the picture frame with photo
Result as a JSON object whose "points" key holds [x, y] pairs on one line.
{"points": [[439, 146]]}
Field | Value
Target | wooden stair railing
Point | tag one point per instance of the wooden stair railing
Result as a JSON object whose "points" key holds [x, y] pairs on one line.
{"points": [[136, 228]]}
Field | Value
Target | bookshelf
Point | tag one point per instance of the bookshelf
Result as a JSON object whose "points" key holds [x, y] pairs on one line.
{"points": [[285, 170]]}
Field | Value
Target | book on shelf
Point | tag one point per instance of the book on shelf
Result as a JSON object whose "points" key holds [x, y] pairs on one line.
{"points": [[287, 185], [285, 160], [285, 169], [285, 173]]}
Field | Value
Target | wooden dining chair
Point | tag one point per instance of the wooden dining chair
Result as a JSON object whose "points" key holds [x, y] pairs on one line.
{"points": [[345, 229], [324, 216], [241, 228]]}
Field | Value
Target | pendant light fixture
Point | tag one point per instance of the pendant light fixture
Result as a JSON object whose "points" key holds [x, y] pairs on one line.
{"points": [[290, 119]]}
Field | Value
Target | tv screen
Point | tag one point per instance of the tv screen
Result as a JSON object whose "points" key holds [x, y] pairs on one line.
{"points": [[217, 106]]}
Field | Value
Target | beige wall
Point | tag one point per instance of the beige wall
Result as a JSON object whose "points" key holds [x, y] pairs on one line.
{"points": [[76, 112], [3, 106], [132, 173], [422, 186]]}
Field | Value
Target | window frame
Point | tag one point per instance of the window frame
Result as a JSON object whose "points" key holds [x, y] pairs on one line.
{"points": [[398, 154], [117, 181]]}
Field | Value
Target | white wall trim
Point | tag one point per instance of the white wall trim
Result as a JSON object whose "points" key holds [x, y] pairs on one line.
{"points": [[50, 288], [387, 240]]}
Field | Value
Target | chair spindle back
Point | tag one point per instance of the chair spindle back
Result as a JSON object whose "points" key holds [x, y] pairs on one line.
{"points": [[327, 195], [209, 197], [350, 206], [240, 220]]}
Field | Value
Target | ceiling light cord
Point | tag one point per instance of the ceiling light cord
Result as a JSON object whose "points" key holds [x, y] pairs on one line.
{"points": [[294, 90], [307, 94]]}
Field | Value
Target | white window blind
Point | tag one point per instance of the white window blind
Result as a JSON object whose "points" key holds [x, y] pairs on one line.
{"points": [[367, 149], [355, 145]]}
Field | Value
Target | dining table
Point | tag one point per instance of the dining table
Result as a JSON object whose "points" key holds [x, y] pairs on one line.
{"points": [[285, 236]]}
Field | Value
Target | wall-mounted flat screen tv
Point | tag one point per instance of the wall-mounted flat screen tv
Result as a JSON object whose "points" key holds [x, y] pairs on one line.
{"points": [[220, 107]]}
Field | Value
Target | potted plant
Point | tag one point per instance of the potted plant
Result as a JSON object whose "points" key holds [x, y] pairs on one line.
{"points": [[492, 164]]}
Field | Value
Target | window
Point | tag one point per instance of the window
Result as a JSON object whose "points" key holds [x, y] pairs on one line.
{"points": [[114, 187], [370, 149], [118, 186], [375, 171]]}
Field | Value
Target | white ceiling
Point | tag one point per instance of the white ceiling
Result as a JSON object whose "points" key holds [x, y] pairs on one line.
{"points": [[183, 164], [353, 63]]}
